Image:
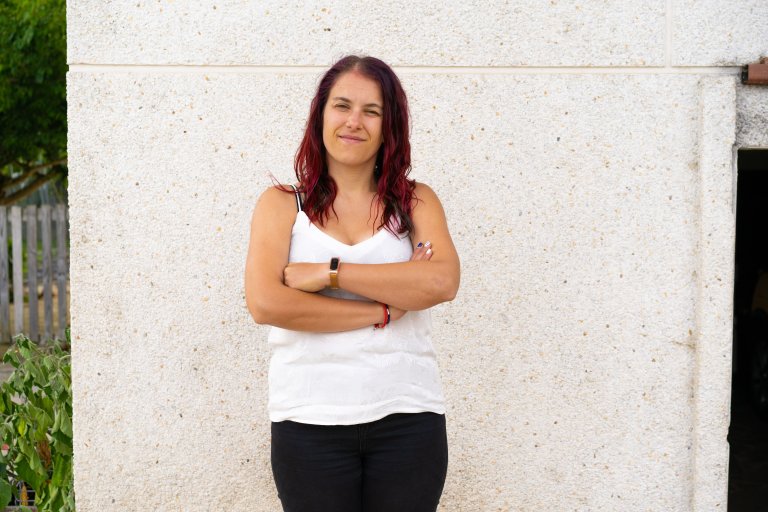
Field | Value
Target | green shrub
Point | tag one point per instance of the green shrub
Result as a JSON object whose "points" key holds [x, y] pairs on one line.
{"points": [[36, 429]]}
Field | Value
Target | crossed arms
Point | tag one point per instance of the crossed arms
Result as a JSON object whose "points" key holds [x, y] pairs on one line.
{"points": [[282, 294]]}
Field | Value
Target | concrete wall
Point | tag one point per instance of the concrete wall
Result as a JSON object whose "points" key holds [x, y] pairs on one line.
{"points": [[583, 154]]}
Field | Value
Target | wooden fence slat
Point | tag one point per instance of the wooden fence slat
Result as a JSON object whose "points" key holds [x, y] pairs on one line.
{"points": [[61, 267], [30, 213], [45, 232], [5, 312], [18, 268], [19, 226]]}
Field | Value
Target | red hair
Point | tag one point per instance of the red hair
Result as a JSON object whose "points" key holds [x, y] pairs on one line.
{"points": [[393, 161]]}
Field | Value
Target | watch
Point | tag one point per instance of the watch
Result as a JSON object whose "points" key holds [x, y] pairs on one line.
{"points": [[334, 273]]}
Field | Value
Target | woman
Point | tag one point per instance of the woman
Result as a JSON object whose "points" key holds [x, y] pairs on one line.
{"points": [[344, 266]]}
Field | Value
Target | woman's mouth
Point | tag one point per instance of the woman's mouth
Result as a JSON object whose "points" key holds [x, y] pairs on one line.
{"points": [[350, 138]]}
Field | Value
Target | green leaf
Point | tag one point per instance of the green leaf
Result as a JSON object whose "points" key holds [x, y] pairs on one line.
{"points": [[55, 500], [21, 427], [63, 380], [44, 420], [6, 493], [8, 404], [31, 368], [36, 465], [66, 423], [26, 474], [56, 421], [47, 404], [61, 443], [62, 467], [10, 358], [22, 443], [24, 348]]}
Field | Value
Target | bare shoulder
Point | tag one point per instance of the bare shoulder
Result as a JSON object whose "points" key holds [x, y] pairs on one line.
{"points": [[424, 191], [278, 197], [275, 203], [278, 194], [425, 198]]}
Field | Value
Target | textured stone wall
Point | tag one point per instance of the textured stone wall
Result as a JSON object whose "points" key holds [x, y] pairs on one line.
{"points": [[583, 164]]}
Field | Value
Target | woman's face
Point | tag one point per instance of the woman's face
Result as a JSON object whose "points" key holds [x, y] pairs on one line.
{"points": [[352, 120]]}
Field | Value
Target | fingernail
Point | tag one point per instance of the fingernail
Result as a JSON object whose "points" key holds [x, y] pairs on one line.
{"points": [[420, 244], [429, 251], [427, 243]]}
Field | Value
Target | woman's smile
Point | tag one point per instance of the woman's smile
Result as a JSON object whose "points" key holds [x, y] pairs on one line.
{"points": [[351, 139], [352, 123]]}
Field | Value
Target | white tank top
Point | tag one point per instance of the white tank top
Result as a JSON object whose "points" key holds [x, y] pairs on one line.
{"points": [[356, 376]]}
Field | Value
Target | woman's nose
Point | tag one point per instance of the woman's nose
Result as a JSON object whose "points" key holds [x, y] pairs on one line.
{"points": [[353, 119]]}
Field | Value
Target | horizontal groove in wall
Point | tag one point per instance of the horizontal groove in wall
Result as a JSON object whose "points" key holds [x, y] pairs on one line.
{"points": [[438, 70]]}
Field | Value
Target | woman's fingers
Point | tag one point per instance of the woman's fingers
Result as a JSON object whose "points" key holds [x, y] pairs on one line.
{"points": [[423, 252]]}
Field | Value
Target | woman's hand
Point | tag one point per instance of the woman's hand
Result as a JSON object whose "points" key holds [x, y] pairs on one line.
{"points": [[422, 252], [308, 277], [313, 277]]}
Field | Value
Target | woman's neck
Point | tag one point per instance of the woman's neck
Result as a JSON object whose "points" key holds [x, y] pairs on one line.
{"points": [[353, 181]]}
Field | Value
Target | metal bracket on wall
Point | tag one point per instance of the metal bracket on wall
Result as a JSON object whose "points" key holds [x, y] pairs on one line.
{"points": [[755, 74]]}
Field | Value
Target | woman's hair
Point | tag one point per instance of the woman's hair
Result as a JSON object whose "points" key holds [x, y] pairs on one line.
{"points": [[393, 161]]}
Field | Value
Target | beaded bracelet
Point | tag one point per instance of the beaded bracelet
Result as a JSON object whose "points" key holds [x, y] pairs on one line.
{"points": [[386, 318]]}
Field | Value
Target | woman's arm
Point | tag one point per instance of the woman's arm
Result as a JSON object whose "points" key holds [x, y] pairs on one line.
{"points": [[269, 300], [411, 285]]}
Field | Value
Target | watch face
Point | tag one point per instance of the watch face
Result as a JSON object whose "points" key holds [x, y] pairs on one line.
{"points": [[334, 263]]}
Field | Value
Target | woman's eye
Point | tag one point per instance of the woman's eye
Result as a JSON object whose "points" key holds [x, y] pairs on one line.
{"points": [[372, 112], [341, 106]]}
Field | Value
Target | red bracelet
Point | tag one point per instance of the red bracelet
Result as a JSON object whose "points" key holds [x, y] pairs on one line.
{"points": [[386, 318]]}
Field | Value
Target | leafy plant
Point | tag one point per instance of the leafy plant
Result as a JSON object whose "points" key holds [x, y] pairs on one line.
{"points": [[33, 105], [36, 428]]}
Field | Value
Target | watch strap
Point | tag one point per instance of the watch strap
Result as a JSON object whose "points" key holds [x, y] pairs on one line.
{"points": [[333, 273]]}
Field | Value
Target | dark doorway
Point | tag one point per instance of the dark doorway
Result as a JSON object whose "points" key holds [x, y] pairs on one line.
{"points": [[748, 433]]}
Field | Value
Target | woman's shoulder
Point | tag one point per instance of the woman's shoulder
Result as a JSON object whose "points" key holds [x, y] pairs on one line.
{"points": [[423, 193], [279, 193], [277, 200], [421, 188]]}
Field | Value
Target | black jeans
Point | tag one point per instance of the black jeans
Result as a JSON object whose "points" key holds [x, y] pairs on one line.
{"points": [[395, 464]]}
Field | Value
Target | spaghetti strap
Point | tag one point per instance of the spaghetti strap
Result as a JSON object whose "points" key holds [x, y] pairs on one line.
{"points": [[299, 205]]}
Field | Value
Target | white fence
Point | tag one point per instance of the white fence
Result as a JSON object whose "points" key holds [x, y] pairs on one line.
{"points": [[28, 233]]}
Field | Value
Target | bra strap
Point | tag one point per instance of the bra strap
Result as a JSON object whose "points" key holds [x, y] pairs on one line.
{"points": [[299, 204]]}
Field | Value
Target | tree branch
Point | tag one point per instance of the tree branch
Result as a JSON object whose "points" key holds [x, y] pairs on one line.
{"points": [[60, 161], [32, 170], [24, 192], [16, 181]]}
